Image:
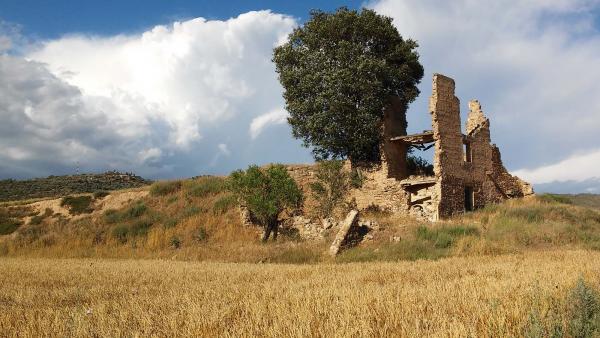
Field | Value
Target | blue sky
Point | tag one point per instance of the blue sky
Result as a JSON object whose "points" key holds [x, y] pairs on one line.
{"points": [[182, 88], [52, 19]]}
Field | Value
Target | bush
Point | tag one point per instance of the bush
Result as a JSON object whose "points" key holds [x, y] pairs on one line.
{"points": [[9, 225], [164, 188], [140, 228], [223, 204], [77, 204], [444, 237], [37, 219], [136, 210], [331, 186], [553, 198], [205, 186], [100, 194], [583, 310], [266, 193], [170, 223], [120, 233], [191, 210], [112, 216], [175, 242]]}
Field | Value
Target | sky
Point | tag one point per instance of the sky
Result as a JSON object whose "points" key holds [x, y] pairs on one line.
{"points": [[170, 89]]}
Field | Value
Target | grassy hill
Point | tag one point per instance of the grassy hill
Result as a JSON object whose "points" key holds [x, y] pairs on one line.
{"points": [[198, 219], [58, 186]]}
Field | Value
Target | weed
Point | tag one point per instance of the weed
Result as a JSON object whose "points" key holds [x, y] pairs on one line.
{"points": [[191, 210], [100, 194], [200, 235], [136, 210], [583, 308], [223, 204], [120, 232], [205, 186], [165, 188], [175, 242], [77, 204], [9, 225], [553, 198], [170, 223]]}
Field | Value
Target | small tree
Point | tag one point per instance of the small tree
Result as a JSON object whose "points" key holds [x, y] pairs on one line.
{"points": [[331, 184], [339, 70], [266, 193]]}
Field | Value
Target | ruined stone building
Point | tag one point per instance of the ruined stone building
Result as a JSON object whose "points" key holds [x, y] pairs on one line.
{"points": [[467, 169]]}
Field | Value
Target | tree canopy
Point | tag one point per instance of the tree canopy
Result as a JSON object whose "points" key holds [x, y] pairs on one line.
{"points": [[266, 192], [338, 72]]}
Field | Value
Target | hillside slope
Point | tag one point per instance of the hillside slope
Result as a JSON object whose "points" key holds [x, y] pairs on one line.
{"points": [[199, 219], [57, 186]]}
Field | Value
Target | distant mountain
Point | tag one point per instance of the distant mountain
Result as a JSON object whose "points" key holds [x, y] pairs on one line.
{"points": [[589, 186]]}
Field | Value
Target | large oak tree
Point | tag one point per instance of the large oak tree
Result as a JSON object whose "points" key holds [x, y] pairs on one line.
{"points": [[338, 72]]}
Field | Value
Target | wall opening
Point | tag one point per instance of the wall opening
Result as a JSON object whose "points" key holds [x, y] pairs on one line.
{"points": [[468, 152], [419, 160], [469, 198]]}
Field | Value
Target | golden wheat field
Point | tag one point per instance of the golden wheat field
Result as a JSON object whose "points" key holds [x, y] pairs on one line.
{"points": [[452, 297]]}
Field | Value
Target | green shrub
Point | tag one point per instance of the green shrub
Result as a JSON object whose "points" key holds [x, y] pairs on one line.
{"points": [[77, 204], [583, 310], [191, 210], [296, 255], [266, 192], [100, 194], [223, 204], [205, 186], [170, 223], [9, 225], [37, 219], [554, 198], [136, 210], [175, 242], [120, 232], [164, 188], [444, 237], [331, 185], [112, 216], [140, 228]]}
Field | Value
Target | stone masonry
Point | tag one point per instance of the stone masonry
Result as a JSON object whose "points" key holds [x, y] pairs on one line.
{"points": [[467, 171]]}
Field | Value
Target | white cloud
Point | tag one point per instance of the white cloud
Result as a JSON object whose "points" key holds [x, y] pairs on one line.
{"points": [[259, 123], [576, 168], [533, 64], [168, 102], [192, 74]]}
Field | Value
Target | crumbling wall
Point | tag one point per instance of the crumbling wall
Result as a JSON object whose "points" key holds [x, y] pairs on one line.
{"points": [[394, 124]]}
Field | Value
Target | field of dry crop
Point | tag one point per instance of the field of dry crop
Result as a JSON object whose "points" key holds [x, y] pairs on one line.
{"points": [[503, 295]]}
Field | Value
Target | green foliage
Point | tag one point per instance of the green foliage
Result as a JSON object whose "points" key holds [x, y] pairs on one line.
{"points": [[331, 186], [266, 192], [8, 225], [554, 198], [191, 210], [77, 204], [583, 309], [120, 232], [100, 194], [223, 204], [164, 188], [444, 237], [418, 166], [37, 219], [170, 223], [136, 210], [339, 70], [206, 186], [58, 186], [123, 232], [175, 242]]}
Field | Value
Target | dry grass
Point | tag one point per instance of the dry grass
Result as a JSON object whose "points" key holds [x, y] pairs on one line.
{"points": [[453, 297]]}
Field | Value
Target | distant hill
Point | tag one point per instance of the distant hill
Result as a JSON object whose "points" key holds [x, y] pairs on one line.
{"points": [[584, 200], [56, 186]]}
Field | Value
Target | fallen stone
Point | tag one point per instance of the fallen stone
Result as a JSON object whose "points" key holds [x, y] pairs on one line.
{"points": [[343, 232]]}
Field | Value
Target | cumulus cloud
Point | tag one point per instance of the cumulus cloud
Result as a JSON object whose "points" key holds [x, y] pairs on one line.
{"points": [[533, 64], [277, 116], [167, 102], [575, 168]]}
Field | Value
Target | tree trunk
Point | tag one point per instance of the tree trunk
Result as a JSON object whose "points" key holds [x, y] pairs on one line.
{"points": [[270, 227]]}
